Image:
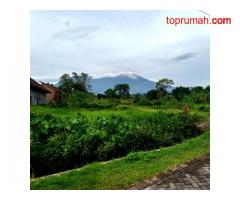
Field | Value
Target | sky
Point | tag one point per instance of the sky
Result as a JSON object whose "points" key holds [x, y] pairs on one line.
{"points": [[103, 43]]}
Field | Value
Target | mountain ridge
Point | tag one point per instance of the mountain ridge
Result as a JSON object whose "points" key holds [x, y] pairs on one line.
{"points": [[137, 83]]}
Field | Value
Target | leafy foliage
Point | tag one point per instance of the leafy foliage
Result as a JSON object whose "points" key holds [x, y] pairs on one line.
{"points": [[76, 94], [135, 167], [180, 92], [59, 144], [164, 83], [152, 94], [122, 90], [110, 93], [141, 100]]}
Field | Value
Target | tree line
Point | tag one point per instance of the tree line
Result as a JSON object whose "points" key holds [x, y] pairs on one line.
{"points": [[77, 87]]}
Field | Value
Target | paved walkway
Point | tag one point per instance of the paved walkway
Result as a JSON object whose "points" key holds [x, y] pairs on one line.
{"points": [[194, 175]]}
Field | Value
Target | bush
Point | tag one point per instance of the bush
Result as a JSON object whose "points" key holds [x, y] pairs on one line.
{"points": [[54, 141], [168, 102], [59, 144], [140, 156], [204, 108], [106, 151], [85, 100], [141, 100]]}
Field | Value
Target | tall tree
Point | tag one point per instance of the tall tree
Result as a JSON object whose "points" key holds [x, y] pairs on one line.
{"points": [[86, 81], [162, 86], [75, 82], [81, 82], [164, 83], [122, 90], [66, 83]]}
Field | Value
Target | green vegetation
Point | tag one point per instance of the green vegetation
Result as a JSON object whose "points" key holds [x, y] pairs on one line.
{"points": [[202, 110], [83, 128], [121, 173], [76, 93], [59, 144]]}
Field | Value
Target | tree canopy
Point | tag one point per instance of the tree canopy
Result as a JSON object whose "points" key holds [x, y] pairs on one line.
{"points": [[180, 92], [76, 82], [122, 90], [164, 83], [110, 93]]}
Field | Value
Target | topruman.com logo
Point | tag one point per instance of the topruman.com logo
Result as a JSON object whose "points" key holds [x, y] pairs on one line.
{"points": [[197, 20]]}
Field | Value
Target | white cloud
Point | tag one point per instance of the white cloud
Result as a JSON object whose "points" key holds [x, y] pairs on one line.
{"points": [[105, 42], [77, 33]]}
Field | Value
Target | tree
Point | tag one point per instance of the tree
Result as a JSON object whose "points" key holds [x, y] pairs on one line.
{"points": [[110, 93], [164, 83], [81, 82], [75, 82], [66, 83], [122, 90], [152, 94], [162, 86], [200, 95], [180, 92], [198, 89], [101, 96], [141, 100], [207, 88], [86, 81]]}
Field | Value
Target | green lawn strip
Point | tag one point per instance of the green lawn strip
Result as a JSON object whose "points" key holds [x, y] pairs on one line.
{"points": [[92, 114], [121, 173], [129, 110]]}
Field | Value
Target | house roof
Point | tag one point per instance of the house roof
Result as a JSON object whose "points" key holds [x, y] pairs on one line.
{"points": [[50, 86], [34, 84]]}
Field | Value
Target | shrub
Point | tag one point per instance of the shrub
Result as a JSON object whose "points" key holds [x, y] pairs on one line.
{"points": [[141, 100], [54, 142], [204, 108], [59, 144], [106, 151], [135, 156], [85, 100], [140, 156]]}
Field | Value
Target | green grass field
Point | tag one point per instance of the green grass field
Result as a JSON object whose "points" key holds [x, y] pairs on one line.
{"points": [[121, 173], [126, 110]]}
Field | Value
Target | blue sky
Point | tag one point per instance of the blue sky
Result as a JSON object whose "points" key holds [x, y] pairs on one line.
{"points": [[101, 43]]}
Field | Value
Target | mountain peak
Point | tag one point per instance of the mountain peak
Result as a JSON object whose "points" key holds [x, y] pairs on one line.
{"points": [[137, 83]]}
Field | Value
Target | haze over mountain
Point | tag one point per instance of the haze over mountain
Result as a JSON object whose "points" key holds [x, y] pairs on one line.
{"points": [[137, 83]]}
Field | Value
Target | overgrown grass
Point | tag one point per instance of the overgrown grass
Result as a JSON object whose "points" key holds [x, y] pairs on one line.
{"points": [[126, 110], [121, 173]]}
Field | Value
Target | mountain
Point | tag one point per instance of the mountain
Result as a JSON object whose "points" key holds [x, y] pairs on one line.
{"points": [[136, 83]]}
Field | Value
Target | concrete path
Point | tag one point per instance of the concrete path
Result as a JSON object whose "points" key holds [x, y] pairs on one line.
{"points": [[194, 175]]}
